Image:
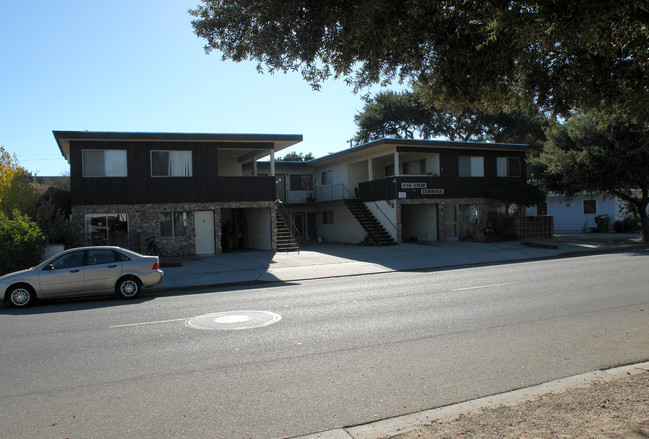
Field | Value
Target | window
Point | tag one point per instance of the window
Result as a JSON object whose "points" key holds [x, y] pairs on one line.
{"points": [[70, 260], [415, 167], [171, 164], [327, 178], [542, 209], [104, 163], [173, 224], [590, 207], [301, 182], [471, 213], [328, 217], [107, 229], [96, 257], [471, 166], [508, 167]]}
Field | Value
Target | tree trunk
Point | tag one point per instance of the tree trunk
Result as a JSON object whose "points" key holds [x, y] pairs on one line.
{"points": [[644, 223]]}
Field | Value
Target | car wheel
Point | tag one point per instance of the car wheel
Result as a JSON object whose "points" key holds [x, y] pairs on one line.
{"points": [[128, 287], [21, 295]]}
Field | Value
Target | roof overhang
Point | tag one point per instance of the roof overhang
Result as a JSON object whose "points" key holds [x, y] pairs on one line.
{"points": [[387, 145], [250, 146]]}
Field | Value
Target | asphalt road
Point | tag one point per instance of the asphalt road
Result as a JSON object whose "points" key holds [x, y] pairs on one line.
{"points": [[345, 351]]}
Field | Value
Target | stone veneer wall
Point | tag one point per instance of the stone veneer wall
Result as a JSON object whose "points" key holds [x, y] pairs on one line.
{"points": [[143, 222]]}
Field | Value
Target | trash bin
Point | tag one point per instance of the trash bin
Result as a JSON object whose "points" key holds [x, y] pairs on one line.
{"points": [[602, 223]]}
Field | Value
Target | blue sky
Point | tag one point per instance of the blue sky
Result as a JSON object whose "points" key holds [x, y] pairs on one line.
{"points": [[136, 65]]}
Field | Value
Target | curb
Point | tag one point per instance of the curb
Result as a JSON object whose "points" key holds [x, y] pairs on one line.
{"points": [[407, 423]]}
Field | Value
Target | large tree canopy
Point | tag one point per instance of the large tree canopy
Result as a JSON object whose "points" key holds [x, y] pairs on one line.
{"points": [[590, 155], [485, 55], [402, 115]]}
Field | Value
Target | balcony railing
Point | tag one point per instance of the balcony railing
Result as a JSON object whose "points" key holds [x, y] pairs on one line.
{"points": [[330, 192], [402, 187]]}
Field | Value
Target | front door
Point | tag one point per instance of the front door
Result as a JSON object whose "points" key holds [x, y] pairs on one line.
{"points": [[204, 232], [450, 222], [298, 222]]}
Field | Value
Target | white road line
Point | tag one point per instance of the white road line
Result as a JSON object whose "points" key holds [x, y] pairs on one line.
{"points": [[485, 286], [146, 323]]}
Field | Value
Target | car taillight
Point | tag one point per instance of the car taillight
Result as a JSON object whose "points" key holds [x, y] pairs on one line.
{"points": [[156, 265]]}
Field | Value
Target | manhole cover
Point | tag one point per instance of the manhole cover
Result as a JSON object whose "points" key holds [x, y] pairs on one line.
{"points": [[232, 320]]}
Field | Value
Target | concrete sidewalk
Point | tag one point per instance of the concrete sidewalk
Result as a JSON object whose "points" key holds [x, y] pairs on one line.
{"points": [[317, 261]]}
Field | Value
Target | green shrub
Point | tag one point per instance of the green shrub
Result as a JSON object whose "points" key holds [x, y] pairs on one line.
{"points": [[629, 224], [21, 242]]}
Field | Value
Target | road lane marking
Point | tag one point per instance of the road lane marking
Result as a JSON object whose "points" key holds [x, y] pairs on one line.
{"points": [[485, 286], [146, 323]]}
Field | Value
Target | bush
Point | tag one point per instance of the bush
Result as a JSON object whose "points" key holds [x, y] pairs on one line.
{"points": [[52, 212], [21, 242], [629, 224]]}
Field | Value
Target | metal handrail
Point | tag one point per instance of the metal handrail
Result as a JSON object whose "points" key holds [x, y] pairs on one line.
{"points": [[287, 218], [377, 206]]}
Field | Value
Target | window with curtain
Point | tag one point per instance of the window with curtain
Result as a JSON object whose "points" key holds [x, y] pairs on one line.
{"points": [[508, 166], [327, 177], [471, 166], [301, 182], [104, 163], [171, 164], [173, 224]]}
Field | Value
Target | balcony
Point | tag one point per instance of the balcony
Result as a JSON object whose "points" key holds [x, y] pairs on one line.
{"points": [[330, 192], [413, 186]]}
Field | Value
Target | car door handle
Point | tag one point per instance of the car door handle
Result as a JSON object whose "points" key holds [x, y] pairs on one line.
{"points": [[74, 271], [112, 266]]}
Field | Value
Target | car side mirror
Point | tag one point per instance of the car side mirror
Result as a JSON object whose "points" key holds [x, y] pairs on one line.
{"points": [[49, 267]]}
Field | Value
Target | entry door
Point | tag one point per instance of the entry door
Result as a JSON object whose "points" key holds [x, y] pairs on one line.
{"points": [[450, 222], [298, 220], [204, 229]]}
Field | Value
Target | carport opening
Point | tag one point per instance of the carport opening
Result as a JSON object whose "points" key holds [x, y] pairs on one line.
{"points": [[246, 229], [419, 222]]}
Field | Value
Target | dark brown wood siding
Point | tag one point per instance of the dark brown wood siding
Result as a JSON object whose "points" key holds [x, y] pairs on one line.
{"points": [[139, 187], [449, 181]]}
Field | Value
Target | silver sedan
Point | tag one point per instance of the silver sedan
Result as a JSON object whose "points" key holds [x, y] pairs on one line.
{"points": [[82, 271]]}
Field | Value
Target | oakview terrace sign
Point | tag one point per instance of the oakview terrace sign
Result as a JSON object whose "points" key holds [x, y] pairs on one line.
{"points": [[424, 188]]}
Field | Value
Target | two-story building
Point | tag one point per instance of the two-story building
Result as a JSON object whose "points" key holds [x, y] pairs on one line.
{"points": [[209, 193], [187, 191], [416, 190]]}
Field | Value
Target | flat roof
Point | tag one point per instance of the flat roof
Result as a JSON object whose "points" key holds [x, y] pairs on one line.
{"points": [[446, 144], [279, 141]]}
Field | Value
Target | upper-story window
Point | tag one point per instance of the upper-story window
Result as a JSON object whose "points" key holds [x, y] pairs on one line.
{"points": [[508, 166], [327, 177], [104, 163], [415, 167], [171, 164], [471, 166], [301, 182]]}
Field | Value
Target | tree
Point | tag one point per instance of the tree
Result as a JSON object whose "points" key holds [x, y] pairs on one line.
{"points": [[295, 157], [391, 114], [484, 56], [21, 242], [401, 115], [53, 210], [588, 154], [16, 189]]}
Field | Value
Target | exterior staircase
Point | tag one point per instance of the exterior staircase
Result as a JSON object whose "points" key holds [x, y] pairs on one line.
{"points": [[376, 233], [285, 240]]}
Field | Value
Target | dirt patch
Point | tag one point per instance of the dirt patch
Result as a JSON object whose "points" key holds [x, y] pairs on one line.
{"points": [[613, 409]]}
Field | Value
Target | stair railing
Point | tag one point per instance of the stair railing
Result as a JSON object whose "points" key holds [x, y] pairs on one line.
{"points": [[292, 228], [354, 197]]}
